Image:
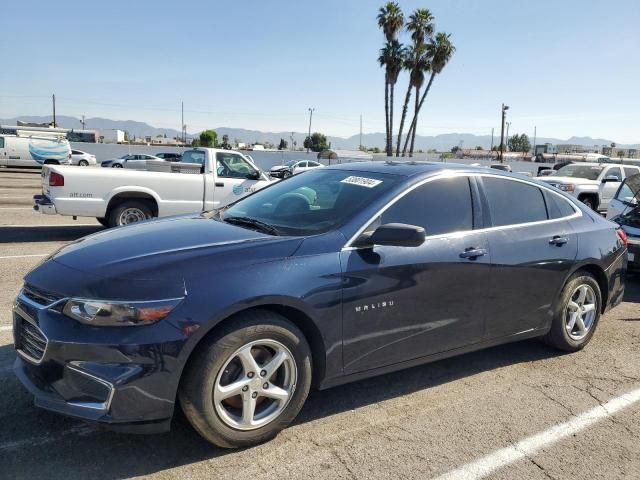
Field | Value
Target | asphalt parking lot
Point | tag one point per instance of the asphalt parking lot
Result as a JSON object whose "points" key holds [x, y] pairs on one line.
{"points": [[516, 411]]}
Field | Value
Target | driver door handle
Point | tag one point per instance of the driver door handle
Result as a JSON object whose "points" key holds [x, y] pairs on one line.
{"points": [[219, 184], [473, 252], [558, 240]]}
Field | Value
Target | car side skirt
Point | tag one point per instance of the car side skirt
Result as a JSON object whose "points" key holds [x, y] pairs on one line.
{"points": [[335, 381]]}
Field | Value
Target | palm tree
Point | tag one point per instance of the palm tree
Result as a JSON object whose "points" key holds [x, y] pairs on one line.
{"points": [[439, 50], [421, 27], [392, 58], [390, 20]]}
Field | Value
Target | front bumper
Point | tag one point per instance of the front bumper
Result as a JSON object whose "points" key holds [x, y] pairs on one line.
{"points": [[43, 204], [123, 377]]}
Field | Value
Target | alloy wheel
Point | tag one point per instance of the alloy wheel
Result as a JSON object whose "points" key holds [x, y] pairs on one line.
{"points": [[255, 385], [580, 312]]}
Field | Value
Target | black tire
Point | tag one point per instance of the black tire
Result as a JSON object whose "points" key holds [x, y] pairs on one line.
{"points": [[198, 380], [103, 221], [558, 336], [115, 213], [83, 163], [589, 202], [286, 174], [117, 165]]}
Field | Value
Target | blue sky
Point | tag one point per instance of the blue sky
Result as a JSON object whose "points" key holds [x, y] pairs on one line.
{"points": [[568, 67]]}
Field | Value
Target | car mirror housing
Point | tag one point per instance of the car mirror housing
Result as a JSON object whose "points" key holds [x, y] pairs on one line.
{"points": [[398, 235], [610, 178], [255, 175]]}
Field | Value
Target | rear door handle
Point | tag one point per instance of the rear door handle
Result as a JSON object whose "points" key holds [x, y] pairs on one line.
{"points": [[473, 252], [558, 240]]}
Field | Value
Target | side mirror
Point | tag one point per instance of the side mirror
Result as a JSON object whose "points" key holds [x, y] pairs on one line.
{"points": [[610, 178], [255, 175], [398, 235]]}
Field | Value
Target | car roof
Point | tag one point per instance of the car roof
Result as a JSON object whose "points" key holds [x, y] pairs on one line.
{"points": [[406, 168]]}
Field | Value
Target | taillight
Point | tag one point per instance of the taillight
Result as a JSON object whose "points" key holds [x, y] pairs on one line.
{"points": [[56, 180], [623, 236]]}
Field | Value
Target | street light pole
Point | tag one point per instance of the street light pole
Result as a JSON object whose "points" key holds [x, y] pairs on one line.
{"points": [[310, 118], [504, 111], [507, 137]]}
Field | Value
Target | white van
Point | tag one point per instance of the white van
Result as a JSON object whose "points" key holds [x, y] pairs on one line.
{"points": [[31, 149]]}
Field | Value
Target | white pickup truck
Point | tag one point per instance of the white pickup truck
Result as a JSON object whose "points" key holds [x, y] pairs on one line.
{"points": [[594, 184], [118, 196]]}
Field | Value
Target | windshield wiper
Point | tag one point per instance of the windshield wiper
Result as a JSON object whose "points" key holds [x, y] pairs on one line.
{"points": [[252, 222]]}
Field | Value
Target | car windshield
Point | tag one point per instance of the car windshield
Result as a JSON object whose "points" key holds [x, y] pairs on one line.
{"points": [[590, 172], [316, 202], [290, 163]]}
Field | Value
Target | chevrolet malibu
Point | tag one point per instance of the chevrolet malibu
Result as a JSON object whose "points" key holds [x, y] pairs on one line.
{"points": [[324, 278]]}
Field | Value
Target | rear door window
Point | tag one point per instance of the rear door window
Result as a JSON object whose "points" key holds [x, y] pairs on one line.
{"points": [[440, 206], [512, 202]]}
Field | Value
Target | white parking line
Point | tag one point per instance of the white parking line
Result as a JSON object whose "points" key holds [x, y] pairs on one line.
{"points": [[24, 256], [5, 328], [530, 446], [16, 208]]}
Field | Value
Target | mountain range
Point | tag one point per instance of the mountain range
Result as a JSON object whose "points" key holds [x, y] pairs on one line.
{"points": [[440, 142]]}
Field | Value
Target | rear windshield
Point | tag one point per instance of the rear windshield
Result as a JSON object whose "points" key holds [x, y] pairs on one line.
{"points": [[193, 156]]}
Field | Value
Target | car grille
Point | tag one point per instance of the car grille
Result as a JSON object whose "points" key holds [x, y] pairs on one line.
{"points": [[29, 339], [39, 296]]}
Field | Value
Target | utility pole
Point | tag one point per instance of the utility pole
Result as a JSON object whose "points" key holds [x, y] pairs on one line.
{"points": [[54, 110], [291, 137], [360, 131], [504, 112], [535, 132], [491, 149], [310, 118], [182, 129], [84, 124]]}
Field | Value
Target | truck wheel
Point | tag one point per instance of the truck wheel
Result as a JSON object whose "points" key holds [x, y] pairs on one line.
{"points": [[248, 381], [576, 314], [103, 221], [129, 211], [589, 202]]}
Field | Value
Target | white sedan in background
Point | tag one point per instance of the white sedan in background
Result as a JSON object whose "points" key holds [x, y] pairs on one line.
{"points": [[82, 159], [292, 167]]}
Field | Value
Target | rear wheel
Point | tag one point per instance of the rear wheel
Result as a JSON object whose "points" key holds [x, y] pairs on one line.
{"points": [[83, 163], [248, 381], [577, 313], [103, 221], [129, 211], [117, 165]]}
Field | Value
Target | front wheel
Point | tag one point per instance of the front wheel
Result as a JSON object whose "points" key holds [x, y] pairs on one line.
{"points": [[248, 381], [576, 314], [589, 202]]}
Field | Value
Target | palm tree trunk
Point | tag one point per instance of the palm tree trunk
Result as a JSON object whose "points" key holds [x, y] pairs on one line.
{"points": [[390, 142], [407, 97], [415, 116], [386, 112]]}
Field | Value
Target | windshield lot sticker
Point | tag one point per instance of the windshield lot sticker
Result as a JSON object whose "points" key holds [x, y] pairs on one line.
{"points": [[362, 181]]}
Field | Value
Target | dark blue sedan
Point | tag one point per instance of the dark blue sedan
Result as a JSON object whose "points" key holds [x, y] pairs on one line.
{"points": [[327, 277]]}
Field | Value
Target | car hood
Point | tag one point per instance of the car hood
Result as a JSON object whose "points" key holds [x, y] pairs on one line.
{"points": [[279, 167], [154, 256], [570, 180]]}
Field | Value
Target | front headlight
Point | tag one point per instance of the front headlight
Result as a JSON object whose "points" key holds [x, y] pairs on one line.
{"points": [[118, 314], [566, 187]]}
